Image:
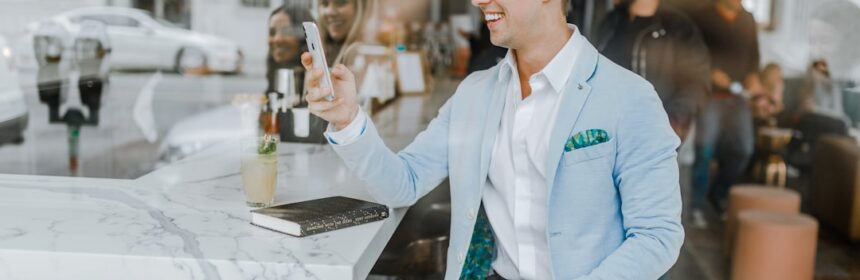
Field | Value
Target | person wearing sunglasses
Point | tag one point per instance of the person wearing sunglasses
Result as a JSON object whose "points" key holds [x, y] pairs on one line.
{"points": [[286, 41]]}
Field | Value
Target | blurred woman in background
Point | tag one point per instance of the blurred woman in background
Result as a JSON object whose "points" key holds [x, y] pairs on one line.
{"points": [[341, 23], [286, 41], [768, 102]]}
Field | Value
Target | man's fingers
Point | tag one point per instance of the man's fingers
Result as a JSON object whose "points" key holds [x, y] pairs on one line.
{"points": [[320, 107], [313, 95], [340, 72], [315, 77], [317, 94], [317, 74], [308, 61]]}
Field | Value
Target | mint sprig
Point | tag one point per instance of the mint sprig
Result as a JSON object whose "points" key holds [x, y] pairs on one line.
{"points": [[268, 145]]}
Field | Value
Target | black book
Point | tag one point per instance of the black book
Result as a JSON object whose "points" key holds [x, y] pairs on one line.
{"points": [[318, 216]]}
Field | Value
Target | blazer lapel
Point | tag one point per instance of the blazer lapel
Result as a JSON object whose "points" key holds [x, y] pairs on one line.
{"points": [[573, 100], [493, 121]]}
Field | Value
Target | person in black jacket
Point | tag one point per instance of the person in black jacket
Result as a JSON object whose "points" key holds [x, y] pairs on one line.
{"points": [[663, 46]]}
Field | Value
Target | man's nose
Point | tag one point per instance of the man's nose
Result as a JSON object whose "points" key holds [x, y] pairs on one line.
{"points": [[478, 3]]}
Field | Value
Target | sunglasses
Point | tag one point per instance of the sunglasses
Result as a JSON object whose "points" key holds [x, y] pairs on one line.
{"points": [[288, 31], [336, 3]]}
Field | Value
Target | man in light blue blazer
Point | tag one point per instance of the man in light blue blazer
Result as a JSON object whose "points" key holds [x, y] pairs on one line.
{"points": [[562, 164]]}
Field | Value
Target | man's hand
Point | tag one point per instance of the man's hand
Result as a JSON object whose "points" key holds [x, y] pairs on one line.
{"points": [[342, 110]]}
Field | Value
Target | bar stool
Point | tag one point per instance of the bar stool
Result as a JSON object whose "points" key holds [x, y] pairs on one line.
{"points": [[743, 197], [775, 246]]}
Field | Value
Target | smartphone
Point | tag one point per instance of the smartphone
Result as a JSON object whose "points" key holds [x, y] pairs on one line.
{"points": [[315, 47]]}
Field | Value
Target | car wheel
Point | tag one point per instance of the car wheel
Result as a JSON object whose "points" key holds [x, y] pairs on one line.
{"points": [[190, 61], [239, 62]]}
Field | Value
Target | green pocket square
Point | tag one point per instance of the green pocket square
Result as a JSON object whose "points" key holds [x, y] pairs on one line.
{"points": [[586, 138]]}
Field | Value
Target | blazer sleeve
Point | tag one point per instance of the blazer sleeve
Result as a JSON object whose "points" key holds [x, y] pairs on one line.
{"points": [[646, 175], [400, 179]]}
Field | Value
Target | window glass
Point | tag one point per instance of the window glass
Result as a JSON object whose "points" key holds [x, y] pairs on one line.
{"points": [[256, 3], [174, 83]]}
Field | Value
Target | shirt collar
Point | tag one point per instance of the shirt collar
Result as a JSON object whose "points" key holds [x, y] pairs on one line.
{"points": [[558, 70]]}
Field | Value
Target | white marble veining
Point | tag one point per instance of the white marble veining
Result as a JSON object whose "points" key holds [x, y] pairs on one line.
{"points": [[188, 220]]}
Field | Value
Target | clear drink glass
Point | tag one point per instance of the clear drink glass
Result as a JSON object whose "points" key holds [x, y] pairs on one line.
{"points": [[259, 170]]}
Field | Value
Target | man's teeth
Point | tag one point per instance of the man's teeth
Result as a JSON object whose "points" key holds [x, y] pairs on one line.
{"points": [[493, 17]]}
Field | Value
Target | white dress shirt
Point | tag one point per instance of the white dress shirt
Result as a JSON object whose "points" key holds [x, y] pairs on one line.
{"points": [[515, 197]]}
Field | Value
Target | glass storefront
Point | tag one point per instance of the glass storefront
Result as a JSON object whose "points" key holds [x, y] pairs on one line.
{"points": [[124, 89]]}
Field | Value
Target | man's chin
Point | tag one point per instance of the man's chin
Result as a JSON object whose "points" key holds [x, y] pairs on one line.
{"points": [[499, 43]]}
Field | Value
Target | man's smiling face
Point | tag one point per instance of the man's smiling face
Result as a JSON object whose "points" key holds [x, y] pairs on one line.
{"points": [[509, 20]]}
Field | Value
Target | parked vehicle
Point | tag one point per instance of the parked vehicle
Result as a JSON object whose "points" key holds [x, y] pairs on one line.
{"points": [[143, 42], [13, 108], [198, 132]]}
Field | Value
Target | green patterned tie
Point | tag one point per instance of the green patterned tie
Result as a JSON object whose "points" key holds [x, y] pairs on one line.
{"points": [[482, 250]]}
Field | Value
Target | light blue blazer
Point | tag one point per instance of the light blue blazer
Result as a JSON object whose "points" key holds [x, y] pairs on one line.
{"points": [[614, 208]]}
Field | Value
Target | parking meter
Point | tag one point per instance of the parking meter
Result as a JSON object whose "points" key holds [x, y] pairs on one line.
{"points": [[82, 60], [49, 47], [92, 50]]}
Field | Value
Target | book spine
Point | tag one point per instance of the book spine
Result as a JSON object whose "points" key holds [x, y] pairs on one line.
{"points": [[347, 219]]}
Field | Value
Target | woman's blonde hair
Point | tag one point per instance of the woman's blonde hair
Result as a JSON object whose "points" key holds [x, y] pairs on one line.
{"points": [[362, 11]]}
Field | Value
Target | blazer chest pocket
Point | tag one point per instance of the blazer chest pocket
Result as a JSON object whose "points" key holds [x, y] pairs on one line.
{"points": [[589, 153]]}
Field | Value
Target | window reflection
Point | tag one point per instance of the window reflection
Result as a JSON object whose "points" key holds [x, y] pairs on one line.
{"points": [[286, 41], [120, 88], [209, 53]]}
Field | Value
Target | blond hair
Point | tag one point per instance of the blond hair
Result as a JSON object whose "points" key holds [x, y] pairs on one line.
{"points": [[362, 10]]}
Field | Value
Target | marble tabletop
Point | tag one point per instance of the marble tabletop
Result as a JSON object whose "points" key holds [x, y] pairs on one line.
{"points": [[188, 220]]}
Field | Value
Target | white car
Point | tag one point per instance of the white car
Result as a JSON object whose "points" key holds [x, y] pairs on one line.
{"points": [[13, 108], [198, 132], [140, 41]]}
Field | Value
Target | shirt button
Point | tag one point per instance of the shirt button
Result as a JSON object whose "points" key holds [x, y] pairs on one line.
{"points": [[472, 214], [460, 257]]}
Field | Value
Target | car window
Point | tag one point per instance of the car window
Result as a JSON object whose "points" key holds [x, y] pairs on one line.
{"points": [[111, 20], [166, 23]]}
